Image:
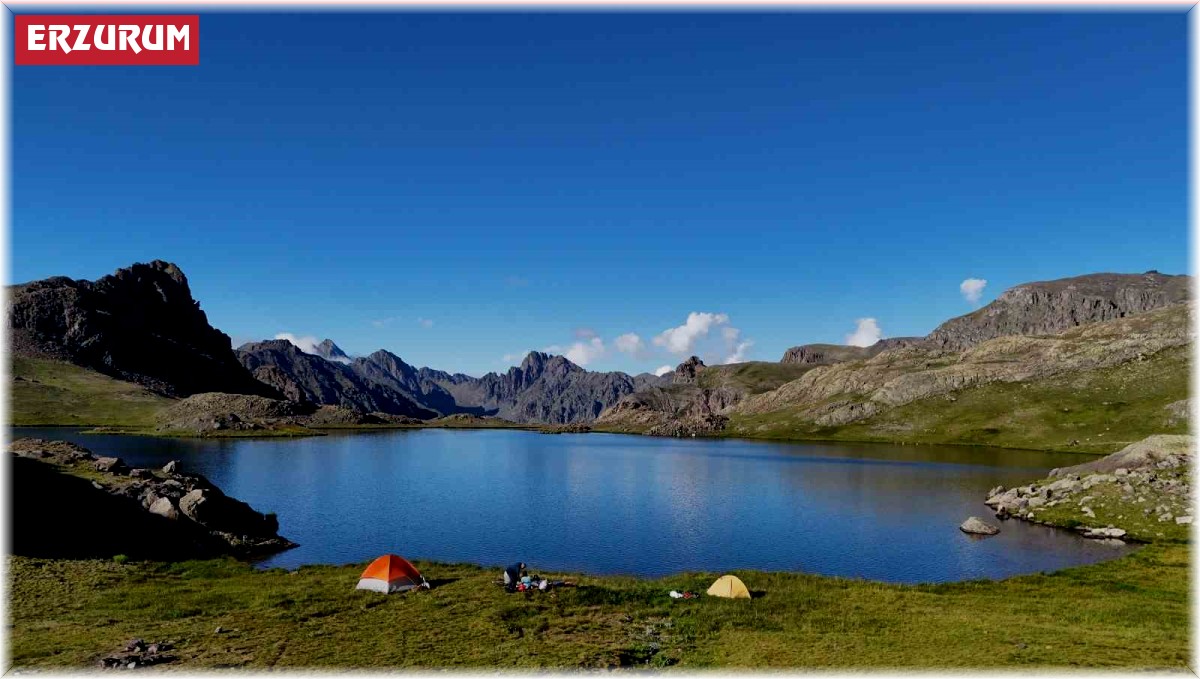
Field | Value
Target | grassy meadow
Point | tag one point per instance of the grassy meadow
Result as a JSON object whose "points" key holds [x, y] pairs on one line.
{"points": [[1128, 613], [1095, 411], [46, 392]]}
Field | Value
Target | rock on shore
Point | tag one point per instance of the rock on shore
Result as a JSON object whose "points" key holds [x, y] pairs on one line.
{"points": [[1140, 492], [70, 503], [977, 526]]}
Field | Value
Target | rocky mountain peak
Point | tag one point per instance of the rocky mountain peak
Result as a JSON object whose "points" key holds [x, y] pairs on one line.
{"points": [[386, 359], [1048, 307], [331, 352], [156, 269], [685, 373], [139, 324], [534, 361], [537, 364]]}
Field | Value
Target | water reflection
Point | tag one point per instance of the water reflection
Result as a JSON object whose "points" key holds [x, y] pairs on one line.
{"points": [[622, 504]]}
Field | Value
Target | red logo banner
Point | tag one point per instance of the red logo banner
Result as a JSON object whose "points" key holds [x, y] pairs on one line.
{"points": [[106, 40]]}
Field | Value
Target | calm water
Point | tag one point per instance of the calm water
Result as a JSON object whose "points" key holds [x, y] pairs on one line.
{"points": [[624, 504]]}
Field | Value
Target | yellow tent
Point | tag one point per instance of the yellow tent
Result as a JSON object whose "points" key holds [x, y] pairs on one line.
{"points": [[729, 587]]}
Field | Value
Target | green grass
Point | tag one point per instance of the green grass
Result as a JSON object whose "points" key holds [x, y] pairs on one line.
{"points": [[1111, 508], [1132, 612], [754, 377], [48, 392], [1098, 411]]}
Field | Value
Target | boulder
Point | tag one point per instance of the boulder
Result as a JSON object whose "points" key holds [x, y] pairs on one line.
{"points": [[170, 467], [191, 504], [1109, 532], [216, 511], [977, 526], [164, 508], [112, 465]]}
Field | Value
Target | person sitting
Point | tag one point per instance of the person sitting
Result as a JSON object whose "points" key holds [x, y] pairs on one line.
{"points": [[512, 575]]}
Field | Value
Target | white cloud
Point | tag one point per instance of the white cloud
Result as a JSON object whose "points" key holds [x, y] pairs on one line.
{"points": [[584, 333], [972, 289], [663, 370], [513, 358], [739, 352], [736, 346], [581, 353], [384, 321], [630, 343], [425, 322], [867, 333], [306, 344], [682, 339]]}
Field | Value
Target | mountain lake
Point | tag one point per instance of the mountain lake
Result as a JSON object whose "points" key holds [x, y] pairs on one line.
{"points": [[608, 503]]}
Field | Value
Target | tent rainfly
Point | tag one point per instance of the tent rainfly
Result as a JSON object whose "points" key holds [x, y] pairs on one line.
{"points": [[390, 573], [730, 587]]}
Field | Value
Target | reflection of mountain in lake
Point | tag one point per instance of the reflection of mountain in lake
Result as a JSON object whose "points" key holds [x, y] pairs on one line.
{"points": [[620, 504]]}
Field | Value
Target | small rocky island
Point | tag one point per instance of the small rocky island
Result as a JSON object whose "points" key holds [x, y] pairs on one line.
{"points": [[69, 503]]}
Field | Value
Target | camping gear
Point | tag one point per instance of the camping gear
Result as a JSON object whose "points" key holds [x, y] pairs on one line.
{"points": [[729, 587], [390, 573], [512, 574]]}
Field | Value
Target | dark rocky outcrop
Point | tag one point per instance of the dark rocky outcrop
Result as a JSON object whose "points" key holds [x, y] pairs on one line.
{"points": [[139, 324], [61, 509], [682, 408], [686, 372], [1050, 307], [138, 653], [309, 378]]}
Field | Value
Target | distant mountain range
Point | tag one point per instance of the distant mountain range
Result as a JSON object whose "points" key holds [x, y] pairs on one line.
{"points": [[304, 377], [543, 389], [142, 325]]}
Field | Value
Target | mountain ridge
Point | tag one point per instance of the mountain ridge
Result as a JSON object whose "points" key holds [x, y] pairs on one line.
{"points": [[139, 324], [142, 325]]}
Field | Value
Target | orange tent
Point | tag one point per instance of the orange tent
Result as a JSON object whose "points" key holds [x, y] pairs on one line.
{"points": [[390, 573]]}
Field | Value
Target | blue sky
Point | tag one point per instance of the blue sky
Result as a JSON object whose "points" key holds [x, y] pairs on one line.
{"points": [[460, 189]]}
